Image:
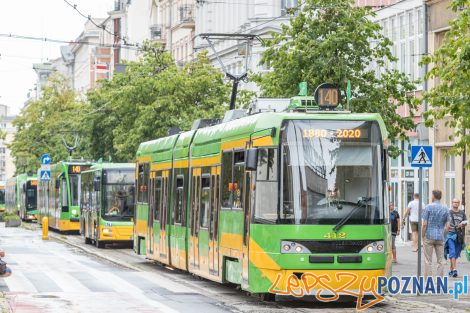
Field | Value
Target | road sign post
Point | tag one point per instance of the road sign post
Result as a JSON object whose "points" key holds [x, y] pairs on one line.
{"points": [[421, 156]]}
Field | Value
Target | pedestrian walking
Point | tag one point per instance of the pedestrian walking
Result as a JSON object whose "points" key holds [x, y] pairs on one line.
{"points": [[412, 211], [436, 223], [455, 240], [5, 271], [395, 225]]}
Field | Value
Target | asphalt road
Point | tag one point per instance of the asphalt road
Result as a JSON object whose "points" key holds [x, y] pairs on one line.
{"points": [[64, 275]]}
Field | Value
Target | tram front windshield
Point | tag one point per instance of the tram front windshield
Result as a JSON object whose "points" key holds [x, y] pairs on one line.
{"points": [[31, 194], [331, 173], [119, 195], [2, 196]]}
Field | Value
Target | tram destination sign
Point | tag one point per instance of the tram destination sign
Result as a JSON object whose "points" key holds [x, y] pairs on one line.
{"points": [[327, 96]]}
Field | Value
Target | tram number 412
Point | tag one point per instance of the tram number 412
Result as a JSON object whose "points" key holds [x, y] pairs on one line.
{"points": [[335, 235]]}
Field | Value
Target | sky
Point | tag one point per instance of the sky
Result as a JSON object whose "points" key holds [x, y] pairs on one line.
{"points": [[53, 19]]}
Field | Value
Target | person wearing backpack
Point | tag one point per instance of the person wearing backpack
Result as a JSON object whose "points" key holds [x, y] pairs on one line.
{"points": [[395, 225], [455, 241], [4, 270]]}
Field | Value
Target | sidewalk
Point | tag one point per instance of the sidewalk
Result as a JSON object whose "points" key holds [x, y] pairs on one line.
{"points": [[407, 265]]}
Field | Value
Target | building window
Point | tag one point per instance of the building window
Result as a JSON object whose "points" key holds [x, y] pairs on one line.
{"points": [[449, 178], [402, 57], [288, 6], [420, 22], [412, 59], [411, 24], [402, 27]]}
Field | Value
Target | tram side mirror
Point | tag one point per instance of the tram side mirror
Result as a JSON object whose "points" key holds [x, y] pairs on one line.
{"points": [[96, 184], [251, 159]]}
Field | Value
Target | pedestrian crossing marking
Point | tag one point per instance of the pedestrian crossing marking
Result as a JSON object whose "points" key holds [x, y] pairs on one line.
{"points": [[45, 175]]}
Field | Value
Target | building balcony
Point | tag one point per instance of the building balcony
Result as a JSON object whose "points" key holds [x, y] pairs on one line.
{"points": [[157, 33], [185, 18]]}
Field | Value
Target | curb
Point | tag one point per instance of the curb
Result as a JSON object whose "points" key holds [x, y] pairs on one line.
{"points": [[92, 252]]}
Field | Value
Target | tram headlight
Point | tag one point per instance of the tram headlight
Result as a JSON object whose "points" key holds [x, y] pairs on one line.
{"points": [[74, 212], [293, 247], [373, 247]]}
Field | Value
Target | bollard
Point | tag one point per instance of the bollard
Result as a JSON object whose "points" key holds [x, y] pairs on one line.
{"points": [[45, 228]]}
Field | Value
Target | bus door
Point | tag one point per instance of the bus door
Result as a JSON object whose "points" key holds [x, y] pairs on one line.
{"points": [[194, 222], [164, 238], [247, 201], [151, 212], [213, 224]]}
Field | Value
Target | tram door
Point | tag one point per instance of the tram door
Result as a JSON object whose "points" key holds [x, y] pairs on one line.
{"points": [[151, 212], [194, 221], [214, 223], [247, 201], [163, 243]]}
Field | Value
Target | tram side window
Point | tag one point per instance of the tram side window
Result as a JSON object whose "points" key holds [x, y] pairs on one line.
{"points": [[238, 177], [179, 200], [227, 172], [205, 202], [158, 198], [267, 185], [144, 171]]}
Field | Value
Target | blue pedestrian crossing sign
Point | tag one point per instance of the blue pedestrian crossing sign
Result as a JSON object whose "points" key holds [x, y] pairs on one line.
{"points": [[45, 159], [44, 175], [421, 156]]}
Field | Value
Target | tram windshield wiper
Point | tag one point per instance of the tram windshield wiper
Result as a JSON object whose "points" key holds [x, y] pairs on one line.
{"points": [[361, 204]]}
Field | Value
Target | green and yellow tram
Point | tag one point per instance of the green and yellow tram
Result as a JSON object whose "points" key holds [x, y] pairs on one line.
{"points": [[107, 203], [21, 196], [257, 199], [59, 198], [2, 196]]}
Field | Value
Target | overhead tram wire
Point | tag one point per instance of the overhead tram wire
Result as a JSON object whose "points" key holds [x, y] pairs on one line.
{"points": [[88, 17], [60, 41]]}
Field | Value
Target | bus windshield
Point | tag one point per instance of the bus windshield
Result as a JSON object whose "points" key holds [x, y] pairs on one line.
{"points": [[331, 173], [119, 195]]}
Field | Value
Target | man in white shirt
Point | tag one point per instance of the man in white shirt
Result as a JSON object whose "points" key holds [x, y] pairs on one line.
{"points": [[412, 210]]}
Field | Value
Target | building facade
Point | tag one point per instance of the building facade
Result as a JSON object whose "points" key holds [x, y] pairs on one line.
{"points": [[7, 165], [448, 173]]}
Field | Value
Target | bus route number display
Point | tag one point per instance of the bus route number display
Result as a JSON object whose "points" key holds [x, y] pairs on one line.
{"points": [[355, 133], [75, 169], [327, 96]]}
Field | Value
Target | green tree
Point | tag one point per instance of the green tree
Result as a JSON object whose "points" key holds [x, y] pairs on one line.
{"points": [[41, 125], [451, 69], [334, 41], [150, 97]]}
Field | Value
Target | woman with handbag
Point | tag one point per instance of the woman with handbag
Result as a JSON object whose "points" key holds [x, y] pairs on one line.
{"points": [[455, 241], [4, 270]]}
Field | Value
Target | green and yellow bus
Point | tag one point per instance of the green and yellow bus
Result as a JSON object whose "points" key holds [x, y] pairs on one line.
{"points": [[2, 196], [107, 203], [272, 193], [21, 197], [59, 198]]}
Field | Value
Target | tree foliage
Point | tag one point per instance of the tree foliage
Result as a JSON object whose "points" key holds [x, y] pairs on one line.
{"points": [[42, 124], [451, 69], [152, 96], [333, 41], [141, 104]]}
